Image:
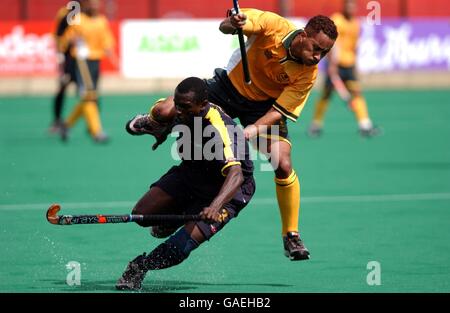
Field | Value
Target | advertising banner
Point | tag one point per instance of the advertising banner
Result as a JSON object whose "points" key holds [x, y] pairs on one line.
{"points": [[28, 48], [397, 45], [169, 48], [181, 48]]}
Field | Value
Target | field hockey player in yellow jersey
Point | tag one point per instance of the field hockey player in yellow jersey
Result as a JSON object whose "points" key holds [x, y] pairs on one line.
{"points": [[341, 75], [91, 40], [283, 68]]}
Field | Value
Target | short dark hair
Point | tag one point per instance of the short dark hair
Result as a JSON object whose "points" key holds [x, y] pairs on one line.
{"points": [[196, 85], [321, 23]]}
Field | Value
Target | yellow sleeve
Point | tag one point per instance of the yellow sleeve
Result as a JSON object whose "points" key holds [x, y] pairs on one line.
{"points": [[292, 100], [260, 21], [67, 37], [108, 38], [255, 21]]}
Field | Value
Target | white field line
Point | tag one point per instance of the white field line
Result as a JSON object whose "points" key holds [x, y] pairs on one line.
{"points": [[127, 205]]}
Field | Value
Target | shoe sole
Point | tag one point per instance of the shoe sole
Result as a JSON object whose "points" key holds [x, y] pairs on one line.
{"points": [[126, 287], [298, 257]]}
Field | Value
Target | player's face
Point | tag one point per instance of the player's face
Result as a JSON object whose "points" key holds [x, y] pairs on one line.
{"points": [[186, 106], [309, 50], [350, 7], [91, 7]]}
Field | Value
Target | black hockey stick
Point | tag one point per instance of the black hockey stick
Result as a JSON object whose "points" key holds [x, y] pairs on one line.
{"points": [[242, 47], [106, 219]]}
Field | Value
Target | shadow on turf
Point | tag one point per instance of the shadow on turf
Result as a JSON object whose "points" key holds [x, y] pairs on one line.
{"points": [[152, 286]]}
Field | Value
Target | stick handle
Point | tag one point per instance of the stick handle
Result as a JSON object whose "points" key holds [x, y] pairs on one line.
{"points": [[242, 47]]}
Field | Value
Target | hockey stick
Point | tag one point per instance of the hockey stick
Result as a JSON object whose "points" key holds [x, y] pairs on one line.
{"points": [[107, 219], [242, 47], [90, 92]]}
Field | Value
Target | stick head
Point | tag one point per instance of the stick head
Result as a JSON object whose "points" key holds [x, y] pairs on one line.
{"points": [[51, 213]]}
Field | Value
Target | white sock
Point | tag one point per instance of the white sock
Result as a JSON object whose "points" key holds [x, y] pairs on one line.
{"points": [[365, 124]]}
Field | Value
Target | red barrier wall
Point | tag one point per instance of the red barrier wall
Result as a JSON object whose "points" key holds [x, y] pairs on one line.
{"points": [[12, 12], [422, 8], [121, 9]]}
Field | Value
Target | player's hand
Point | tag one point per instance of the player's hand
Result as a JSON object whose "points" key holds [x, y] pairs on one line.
{"points": [[238, 20], [144, 124], [211, 214], [250, 131]]}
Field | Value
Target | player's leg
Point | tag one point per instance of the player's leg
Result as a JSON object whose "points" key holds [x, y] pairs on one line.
{"points": [[90, 106], [320, 108], [154, 201], [165, 196], [288, 196], [171, 252], [58, 102], [178, 247], [86, 76], [358, 104], [77, 111]]}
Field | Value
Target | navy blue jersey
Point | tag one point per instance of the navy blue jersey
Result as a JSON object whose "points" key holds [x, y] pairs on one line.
{"points": [[207, 145]]}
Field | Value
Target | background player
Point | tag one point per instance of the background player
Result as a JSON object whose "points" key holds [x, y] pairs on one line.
{"points": [[66, 68], [217, 189], [92, 39], [341, 74]]}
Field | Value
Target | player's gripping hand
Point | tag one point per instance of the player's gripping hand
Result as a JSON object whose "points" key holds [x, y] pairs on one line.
{"points": [[144, 124], [211, 214], [238, 20]]}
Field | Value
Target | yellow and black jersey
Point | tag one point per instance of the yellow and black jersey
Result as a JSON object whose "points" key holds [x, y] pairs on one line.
{"points": [[213, 143], [345, 48], [273, 74], [95, 33]]}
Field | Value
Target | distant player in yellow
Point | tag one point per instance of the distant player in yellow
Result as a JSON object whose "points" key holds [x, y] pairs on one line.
{"points": [[91, 40], [283, 66], [341, 74]]}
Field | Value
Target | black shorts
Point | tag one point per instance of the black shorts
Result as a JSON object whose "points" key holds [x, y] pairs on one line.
{"points": [[69, 67], [94, 73], [222, 93], [347, 74], [175, 184], [67, 70]]}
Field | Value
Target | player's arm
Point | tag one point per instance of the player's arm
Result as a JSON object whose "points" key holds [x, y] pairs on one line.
{"points": [[109, 44], [233, 181], [251, 21], [270, 118], [157, 123], [289, 104]]}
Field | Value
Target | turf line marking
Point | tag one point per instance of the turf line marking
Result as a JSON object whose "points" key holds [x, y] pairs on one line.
{"points": [[366, 198], [127, 205]]}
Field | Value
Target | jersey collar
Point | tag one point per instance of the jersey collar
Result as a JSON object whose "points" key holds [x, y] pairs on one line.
{"points": [[288, 40]]}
